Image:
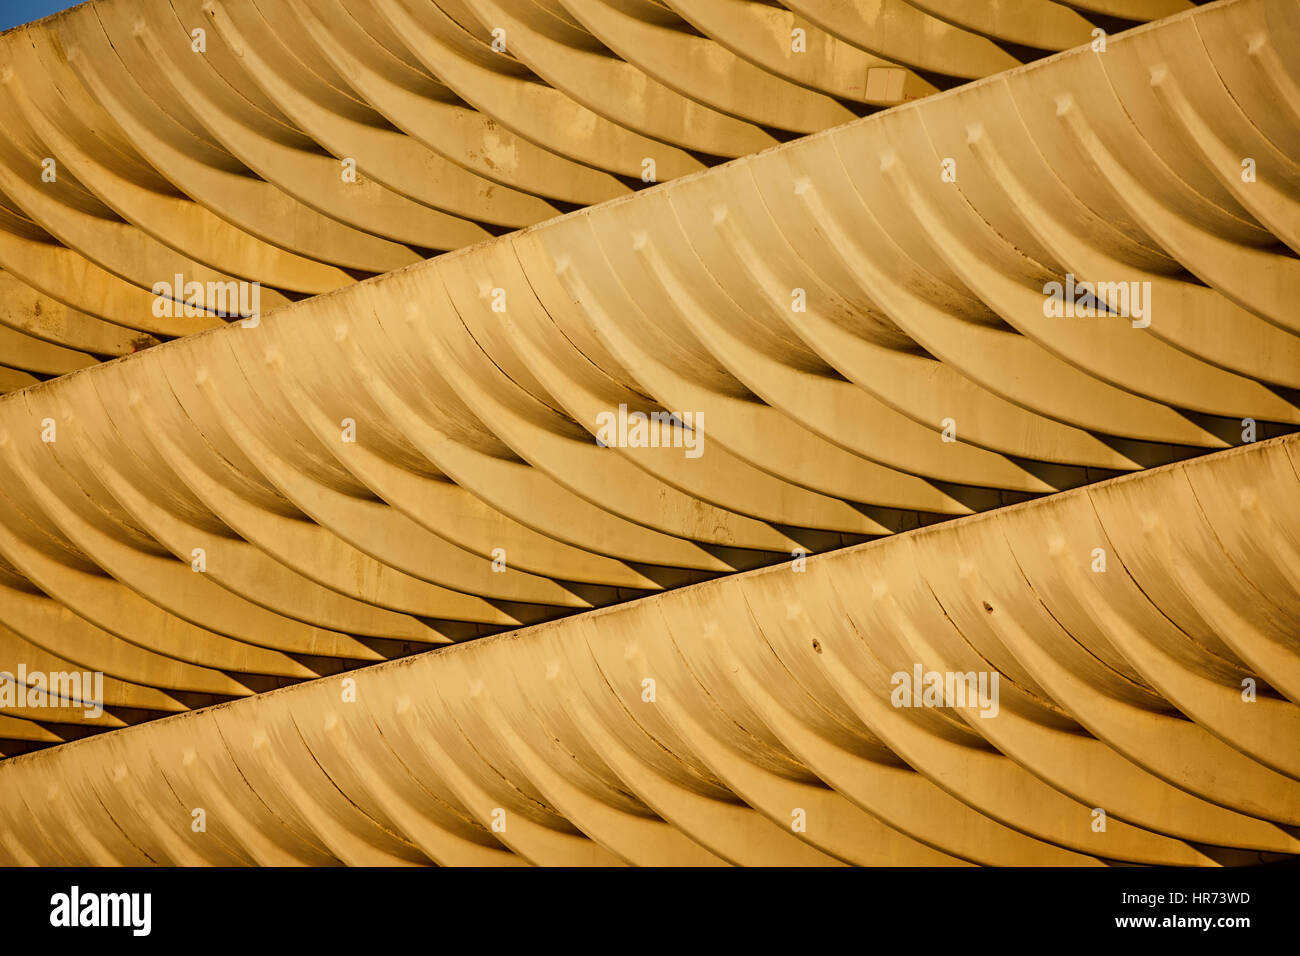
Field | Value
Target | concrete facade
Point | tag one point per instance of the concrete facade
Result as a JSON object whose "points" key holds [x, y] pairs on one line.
{"points": [[848, 386]]}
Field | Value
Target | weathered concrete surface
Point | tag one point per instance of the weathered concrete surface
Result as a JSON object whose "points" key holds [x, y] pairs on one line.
{"points": [[751, 720], [855, 333], [415, 460], [219, 154]]}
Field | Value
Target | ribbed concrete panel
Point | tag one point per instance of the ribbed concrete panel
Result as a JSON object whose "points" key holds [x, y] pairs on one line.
{"points": [[842, 338], [755, 719], [305, 145], [756, 477]]}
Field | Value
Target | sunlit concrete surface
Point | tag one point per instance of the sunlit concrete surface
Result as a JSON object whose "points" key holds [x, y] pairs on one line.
{"points": [[749, 720], [145, 139], [846, 341]]}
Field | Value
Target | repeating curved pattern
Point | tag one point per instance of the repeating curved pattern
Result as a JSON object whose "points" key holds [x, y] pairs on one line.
{"points": [[770, 737], [836, 345], [219, 157], [415, 460]]}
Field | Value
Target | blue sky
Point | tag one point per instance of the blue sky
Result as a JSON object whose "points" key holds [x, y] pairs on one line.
{"points": [[14, 12]]}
